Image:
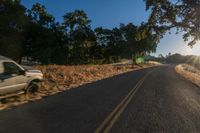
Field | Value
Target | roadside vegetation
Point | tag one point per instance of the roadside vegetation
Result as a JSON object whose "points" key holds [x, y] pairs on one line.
{"points": [[189, 72], [59, 78]]}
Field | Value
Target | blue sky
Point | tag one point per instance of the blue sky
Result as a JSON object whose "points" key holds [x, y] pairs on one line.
{"points": [[110, 13]]}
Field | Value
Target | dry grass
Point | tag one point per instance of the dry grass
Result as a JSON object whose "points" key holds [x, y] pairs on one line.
{"points": [[189, 72], [154, 62], [61, 78]]}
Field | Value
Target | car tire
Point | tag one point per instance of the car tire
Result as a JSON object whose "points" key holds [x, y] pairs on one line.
{"points": [[2, 100], [32, 88]]}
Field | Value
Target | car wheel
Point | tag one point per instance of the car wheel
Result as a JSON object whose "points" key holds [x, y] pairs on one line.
{"points": [[32, 88], [2, 100]]}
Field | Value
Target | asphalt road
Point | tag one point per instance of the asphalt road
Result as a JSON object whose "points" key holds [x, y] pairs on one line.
{"points": [[145, 101]]}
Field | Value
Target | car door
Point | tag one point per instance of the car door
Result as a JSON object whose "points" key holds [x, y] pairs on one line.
{"points": [[13, 78], [7, 82]]}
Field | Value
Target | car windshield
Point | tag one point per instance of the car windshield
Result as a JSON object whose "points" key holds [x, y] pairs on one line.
{"points": [[11, 68]]}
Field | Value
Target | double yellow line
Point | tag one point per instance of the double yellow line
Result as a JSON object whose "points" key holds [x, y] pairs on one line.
{"points": [[114, 115]]}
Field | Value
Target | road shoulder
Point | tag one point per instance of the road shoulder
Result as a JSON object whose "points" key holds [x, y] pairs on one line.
{"points": [[189, 72]]}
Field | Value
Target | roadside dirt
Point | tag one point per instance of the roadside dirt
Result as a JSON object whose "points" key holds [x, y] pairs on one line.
{"points": [[189, 72]]}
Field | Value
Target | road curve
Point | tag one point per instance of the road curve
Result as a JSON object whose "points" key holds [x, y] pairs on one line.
{"points": [[149, 100]]}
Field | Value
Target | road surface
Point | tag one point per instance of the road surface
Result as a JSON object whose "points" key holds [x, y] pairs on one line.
{"points": [[151, 100]]}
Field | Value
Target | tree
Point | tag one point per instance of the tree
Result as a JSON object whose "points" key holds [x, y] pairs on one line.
{"points": [[110, 42], [39, 15], [181, 14], [81, 37], [147, 39], [175, 58], [129, 33], [45, 38], [139, 40], [12, 28]]}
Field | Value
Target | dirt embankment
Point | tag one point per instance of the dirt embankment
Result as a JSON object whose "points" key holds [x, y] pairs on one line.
{"points": [[189, 72], [61, 78]]}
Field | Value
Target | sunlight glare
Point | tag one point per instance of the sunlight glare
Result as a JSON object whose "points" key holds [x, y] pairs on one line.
{"points": [[187, 50]]}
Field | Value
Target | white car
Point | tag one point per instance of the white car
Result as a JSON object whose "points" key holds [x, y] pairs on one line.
{"points": [[15, 79]]}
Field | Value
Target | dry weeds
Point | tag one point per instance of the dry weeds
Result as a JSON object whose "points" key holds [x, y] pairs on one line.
{"points": [[189, 72]]}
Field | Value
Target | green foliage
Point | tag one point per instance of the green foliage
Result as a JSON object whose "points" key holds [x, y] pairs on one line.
{"points": [[81, 37], [44, 38]]}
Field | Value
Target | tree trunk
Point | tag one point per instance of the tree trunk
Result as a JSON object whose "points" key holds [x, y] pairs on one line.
{"points": [[133, 59]]}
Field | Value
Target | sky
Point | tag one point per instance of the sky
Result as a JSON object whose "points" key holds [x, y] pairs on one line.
{"points": [[110, 13]]}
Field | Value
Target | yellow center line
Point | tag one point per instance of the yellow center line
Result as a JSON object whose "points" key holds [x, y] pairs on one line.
{"points": [[114, 115]]}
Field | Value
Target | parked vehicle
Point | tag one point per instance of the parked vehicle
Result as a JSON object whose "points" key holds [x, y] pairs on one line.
{"points": [[15, 79]]}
